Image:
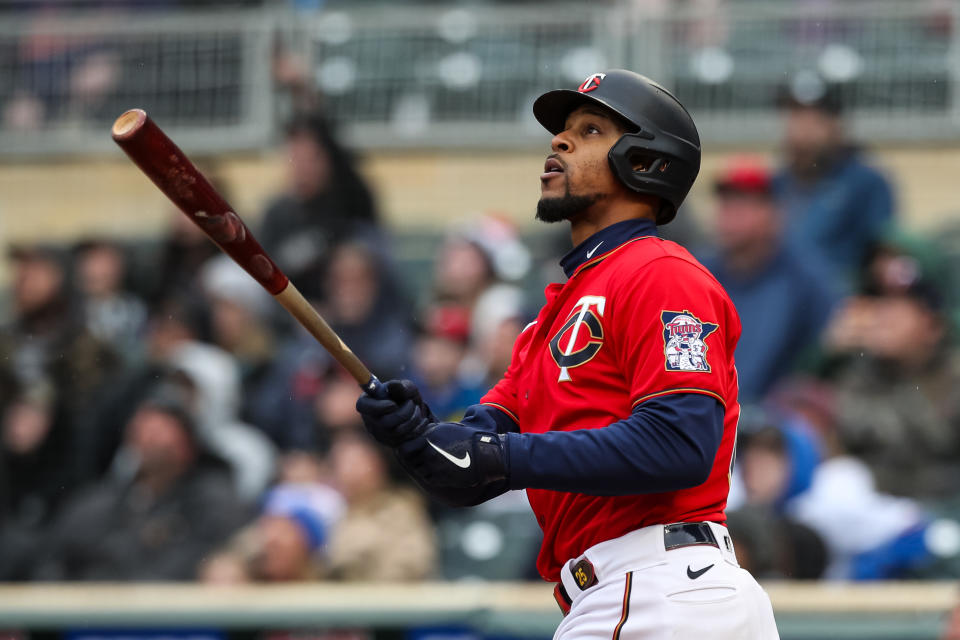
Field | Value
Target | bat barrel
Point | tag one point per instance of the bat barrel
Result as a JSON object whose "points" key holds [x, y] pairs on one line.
{"points": [[173, 173]]}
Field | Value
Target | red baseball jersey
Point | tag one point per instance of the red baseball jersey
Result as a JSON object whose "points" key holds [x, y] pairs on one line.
{"points": [[640, 320]]}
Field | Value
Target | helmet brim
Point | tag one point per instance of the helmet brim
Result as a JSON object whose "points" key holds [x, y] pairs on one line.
{"points": [[552, 108]]}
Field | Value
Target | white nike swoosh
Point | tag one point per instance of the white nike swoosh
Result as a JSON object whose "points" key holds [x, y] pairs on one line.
{"points": [[591, 252], [463, 463]]}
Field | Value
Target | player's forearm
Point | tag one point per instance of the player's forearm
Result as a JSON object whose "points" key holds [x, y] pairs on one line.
{"points": [[667, 444]]}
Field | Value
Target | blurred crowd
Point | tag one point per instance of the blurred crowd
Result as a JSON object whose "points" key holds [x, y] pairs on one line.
{"points": [[162, 419], [848, 442]]}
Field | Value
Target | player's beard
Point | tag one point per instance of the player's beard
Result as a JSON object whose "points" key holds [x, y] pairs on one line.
{"points": [[565, 207]]}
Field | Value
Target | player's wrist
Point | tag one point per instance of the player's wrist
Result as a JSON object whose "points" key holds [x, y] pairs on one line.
{"points": [[492, 457], [514, 450]]}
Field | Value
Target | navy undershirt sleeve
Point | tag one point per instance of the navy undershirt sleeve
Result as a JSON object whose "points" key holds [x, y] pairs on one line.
{"points": [[668, 443], [486, 417]]}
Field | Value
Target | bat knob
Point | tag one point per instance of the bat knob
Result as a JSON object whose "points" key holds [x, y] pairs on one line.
{"points": [[374, 387]]}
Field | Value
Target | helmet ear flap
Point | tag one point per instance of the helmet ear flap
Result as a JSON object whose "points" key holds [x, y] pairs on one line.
{"points": [[652, 166]]}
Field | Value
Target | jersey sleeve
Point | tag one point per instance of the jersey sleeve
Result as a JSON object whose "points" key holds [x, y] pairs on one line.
{"points": [[675, 331]]}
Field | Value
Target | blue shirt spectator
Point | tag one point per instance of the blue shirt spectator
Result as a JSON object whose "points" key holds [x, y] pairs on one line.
{"points": [[838, 215], [783, 302], [835, 203]]}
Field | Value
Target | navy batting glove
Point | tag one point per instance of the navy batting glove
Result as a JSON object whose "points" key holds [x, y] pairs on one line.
{"points": [[397, 418], [450, 454]]}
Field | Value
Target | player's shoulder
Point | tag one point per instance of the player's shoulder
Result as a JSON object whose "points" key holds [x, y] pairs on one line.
{"points": [[661, 258], [664, 275]]}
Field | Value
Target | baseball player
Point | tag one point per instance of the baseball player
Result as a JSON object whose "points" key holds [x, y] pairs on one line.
{"points": [[618, 413]]}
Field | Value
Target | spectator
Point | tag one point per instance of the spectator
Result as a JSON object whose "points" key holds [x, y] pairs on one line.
{"points": [[290, 404], [35, 472], [240, 311], [327, 202], [289, 542], [110, 313], [837, 495], [46, 343], [335, 406], [46, 334], [210, 379], [385, 534], [777, 458], [842, 498], [283, 406], [836, 204], [776, 547], [366, 310], [301, 396], [783, 302], [176, 506], [497, 348], [462, 272], [171, 322], [285, 543], [896, 408], [478, 270], [296, 90], [777, 463], [497, 320], [438, 355]]}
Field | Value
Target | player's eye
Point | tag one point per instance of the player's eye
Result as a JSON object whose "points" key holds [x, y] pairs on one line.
{"points": [[591, 129]]}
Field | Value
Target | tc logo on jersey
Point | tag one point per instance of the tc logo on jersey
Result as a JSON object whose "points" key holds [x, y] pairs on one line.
{"points": [[683, 341], [581, 336], [591, 83]]}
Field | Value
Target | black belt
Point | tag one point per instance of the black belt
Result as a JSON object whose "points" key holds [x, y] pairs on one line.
{"points": [[688, 534], [675, 536]]}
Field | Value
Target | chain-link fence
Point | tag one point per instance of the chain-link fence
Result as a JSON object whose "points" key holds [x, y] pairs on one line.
{"points": [[402, 75]]}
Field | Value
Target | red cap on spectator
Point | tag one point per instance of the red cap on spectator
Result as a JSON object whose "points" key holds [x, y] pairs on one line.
{"points": [[745, 176], [448, 321]]}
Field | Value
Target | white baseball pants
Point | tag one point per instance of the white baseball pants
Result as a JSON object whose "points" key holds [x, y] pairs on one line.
{"points": [[645, 592]]}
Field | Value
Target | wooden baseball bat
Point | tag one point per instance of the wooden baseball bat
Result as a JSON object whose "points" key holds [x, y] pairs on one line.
{"points": [[173, 173]]}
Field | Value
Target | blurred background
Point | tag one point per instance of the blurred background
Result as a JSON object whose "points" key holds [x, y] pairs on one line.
{"points": [[162, 422]]}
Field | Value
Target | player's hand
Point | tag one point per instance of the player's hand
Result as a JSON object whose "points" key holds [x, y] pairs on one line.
{"points": [[400, 416], [449, 454]]}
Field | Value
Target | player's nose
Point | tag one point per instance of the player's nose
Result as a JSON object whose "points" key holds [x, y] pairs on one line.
{"points": [[561, 142]]}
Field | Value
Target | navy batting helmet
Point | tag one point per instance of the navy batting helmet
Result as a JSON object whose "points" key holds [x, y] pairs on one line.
{"points": [[660, 157]]}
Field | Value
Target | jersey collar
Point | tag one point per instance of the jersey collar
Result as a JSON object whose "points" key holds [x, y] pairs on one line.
{"points": [[603, 242]]}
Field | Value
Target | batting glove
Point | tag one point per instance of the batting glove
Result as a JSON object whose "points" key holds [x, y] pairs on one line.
{"points": [[450, 454], [397, 418]]}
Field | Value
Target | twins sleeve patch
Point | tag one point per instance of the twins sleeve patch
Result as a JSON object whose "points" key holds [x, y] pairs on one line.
{"points": [[684, 348]]}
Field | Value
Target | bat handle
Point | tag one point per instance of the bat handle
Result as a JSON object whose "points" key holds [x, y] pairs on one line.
{"points": [[298, 306]]}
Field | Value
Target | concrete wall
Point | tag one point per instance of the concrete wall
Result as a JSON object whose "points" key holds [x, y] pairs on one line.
{"points": [[68, 199]]}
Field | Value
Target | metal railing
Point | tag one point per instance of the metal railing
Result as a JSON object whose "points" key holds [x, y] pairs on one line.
{"points": [[64, 80], [409, 76]]}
